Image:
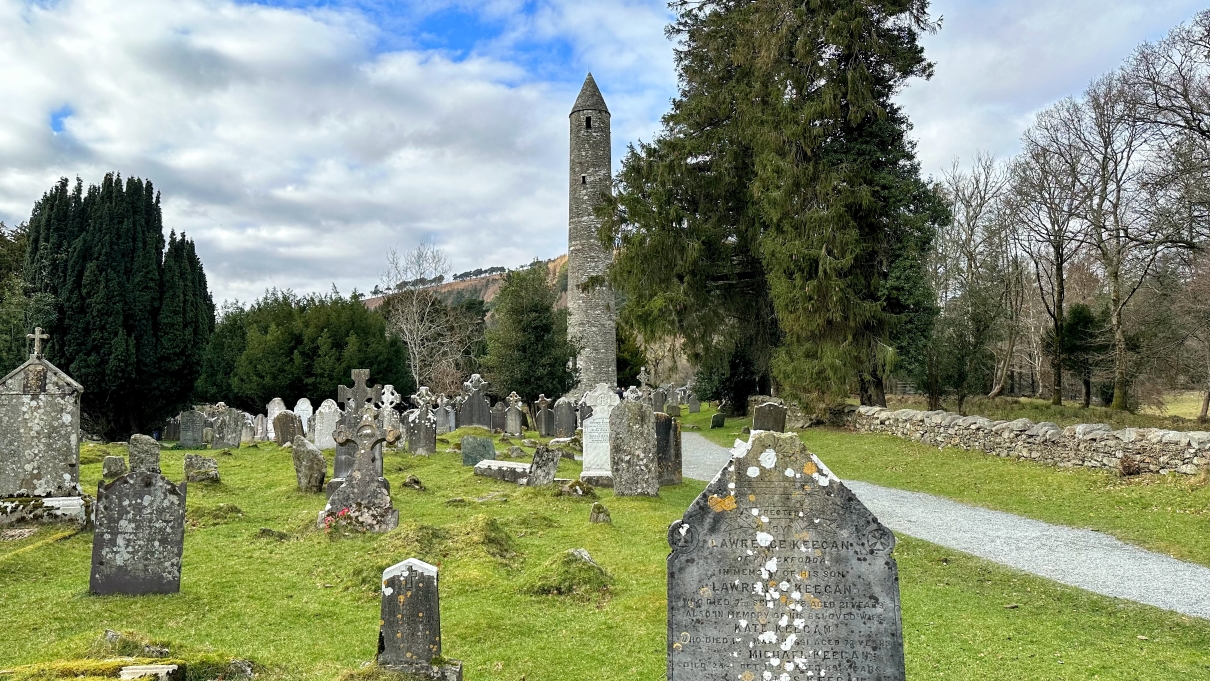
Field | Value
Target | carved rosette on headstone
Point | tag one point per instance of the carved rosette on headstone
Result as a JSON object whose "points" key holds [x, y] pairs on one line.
{"points": [[777, 571], [409, 635], [601, 400]]}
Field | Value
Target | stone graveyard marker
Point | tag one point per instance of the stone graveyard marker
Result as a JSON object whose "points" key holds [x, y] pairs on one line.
{"points": [[499, 416], [261, 425], [303, 410], [475, 409], [514, 419], [717, 420], [285, 427], [632, 452], [247, 434], [355, 400], [695, 405], [599, 514], [409, 637], [422, 431], [769, 416], [310, 467], [777, 563], [113, 467], [544, 419], [193, 427], [228, 427], [364, 496], [275, 407], [659, 399], [476, 449], [326, 420], [200, 468], [208, 436], [565, 418], [601, 400], [544, 467], [445, 418], [668, 449], [144, 454], [673, 410]]}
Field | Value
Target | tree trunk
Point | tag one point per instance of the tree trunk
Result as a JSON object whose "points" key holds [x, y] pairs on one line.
{"points": [[933, 382], [1119, 353], [961, 403], [1201, 417], [1087, 390], [863, 391], [877, 391], [1056, 362]]}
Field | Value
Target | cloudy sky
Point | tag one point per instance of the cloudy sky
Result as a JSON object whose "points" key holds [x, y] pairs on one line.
{"points": [[297, 141]]}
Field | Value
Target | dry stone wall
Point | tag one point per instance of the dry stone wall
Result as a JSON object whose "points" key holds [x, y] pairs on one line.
{"points": [[1088, 445]]}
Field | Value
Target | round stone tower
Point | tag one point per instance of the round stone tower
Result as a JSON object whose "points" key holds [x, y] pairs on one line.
{"points": [[590, 302]]}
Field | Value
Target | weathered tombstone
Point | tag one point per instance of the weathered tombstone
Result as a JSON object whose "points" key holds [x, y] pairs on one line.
{"points": [[303, 410], [247, 434], [673, 410], [208, 436], [228, 427], [505, 471], [475, 409], [544, 467], [355, 399], [172, 429], [275, 407], [363, 500], [327, 417], [659, 398], [769, 416], [40, 442], [601, 400], [544, 419], [514, 419], [261, 424], [583, 411], [409, 636], [140, 534], [445, 418], [644, 377], [310, 467], [113, 467], [599, 514], [633, 394], [777, 563], [695, 405], [633, 459], [668, 449], [456, 419], [422, 431], [476, 449], [388, 416], [565, 418], [499, 416], [285, 427], [200, 468], [144, 453], [717, 420], [193, 429]]}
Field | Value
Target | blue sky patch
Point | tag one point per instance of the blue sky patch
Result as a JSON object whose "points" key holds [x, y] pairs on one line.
{"points": [[58, 116]]}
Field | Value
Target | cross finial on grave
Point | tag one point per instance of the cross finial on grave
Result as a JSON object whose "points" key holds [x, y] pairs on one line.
{"points": [[423, 398], [359, 396], [643, 377], [367, 436], [38, 337], [513, 399], [476, 382], [543, 401]]}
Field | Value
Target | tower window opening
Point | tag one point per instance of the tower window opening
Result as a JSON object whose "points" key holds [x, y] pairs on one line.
{"points": [[583, 179], [588, 122]]}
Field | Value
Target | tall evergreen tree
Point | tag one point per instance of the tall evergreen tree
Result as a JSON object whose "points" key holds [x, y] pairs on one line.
{"points": [[129, 318], [527, 347], [783, 193]]}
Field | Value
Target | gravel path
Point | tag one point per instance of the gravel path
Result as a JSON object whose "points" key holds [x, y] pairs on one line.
{"points": [[1081, 558]]}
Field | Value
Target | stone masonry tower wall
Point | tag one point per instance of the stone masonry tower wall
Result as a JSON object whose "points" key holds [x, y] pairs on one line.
{"points": [[591, 313]]}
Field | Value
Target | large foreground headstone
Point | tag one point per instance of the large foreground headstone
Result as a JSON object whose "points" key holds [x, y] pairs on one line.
{"points": [[777, 571], [409, 636], [327, 417], [633, 459], [769, 416], [565, 418], [363, 501], [140, 535], [601, 400], [355, 399], [668, 448]]}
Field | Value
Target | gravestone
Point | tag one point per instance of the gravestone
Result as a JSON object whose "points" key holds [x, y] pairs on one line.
{"points": [[139, 536], [659, 398], [499, 416], [544, 419], [39, 435], [514, 419], [565, 418], [633, 394], [475, 409], [388, 416], [769, 416], [285, 427], [310, 467], [545, 466], [113, 467], [228, 427], [363, 500], [583, 411], [144, 453], [673, 410], [456, 405], [409, 634], [644, 377], [505, 471], [208, 436], [327, 417], [355, 399], [200, 468], [445, 419], [695, 405], [172, 429], [303, 410], [476, 449], [275, 407], [261, 428], [422, 431], [247, 434], [668, 449], [777, 566], [717, 420], [601, 400], [193, 429], [633, 459]]}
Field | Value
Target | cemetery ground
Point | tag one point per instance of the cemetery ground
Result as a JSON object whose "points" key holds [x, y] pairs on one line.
{"points": [[302, 605]]}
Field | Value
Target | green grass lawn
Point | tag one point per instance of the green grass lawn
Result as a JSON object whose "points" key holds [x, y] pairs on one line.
{"points": [[307, 607], [1186, 404]]}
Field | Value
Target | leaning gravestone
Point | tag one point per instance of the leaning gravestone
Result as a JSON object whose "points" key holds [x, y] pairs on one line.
{"points": [[668, 449], [777, 571], [544, 467], [769, 416], [601, 400], [544, 419], [228, 427], [717, 420], [275, 407], [409, 634], [285, 427], [476, 449], [139, 536], [193, 428], [363, 500], [326, 420], [310, 467], [632, 452], [303, 410], [475, 409], [565, 418]]}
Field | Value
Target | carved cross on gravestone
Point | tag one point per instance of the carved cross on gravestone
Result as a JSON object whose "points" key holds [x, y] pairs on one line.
{"points": [[367, 436], [423, 398], [476, 382], [543, 401], [389, 397], [633, 394], [359, 396], [37, 337], [643, 377], [513, 399]]}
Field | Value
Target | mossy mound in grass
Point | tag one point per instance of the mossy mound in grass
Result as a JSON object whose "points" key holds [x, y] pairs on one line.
{"points": [[485, 533], [571, 573], [206, 516]]}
